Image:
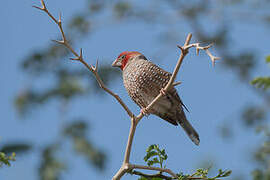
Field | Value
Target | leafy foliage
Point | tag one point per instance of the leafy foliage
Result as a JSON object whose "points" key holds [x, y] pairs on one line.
{"points": [[267, 59], [155, 155], [13, 149], [51, 166], [262, 82], [262, 153], [203, 174], [4, 159], [253, 115]]}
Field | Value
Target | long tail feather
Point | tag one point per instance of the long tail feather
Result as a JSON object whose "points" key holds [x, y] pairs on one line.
{"points": [[190, 131]]}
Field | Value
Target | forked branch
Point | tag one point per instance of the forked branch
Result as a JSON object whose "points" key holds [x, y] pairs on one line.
{"points": [[127, 166]]}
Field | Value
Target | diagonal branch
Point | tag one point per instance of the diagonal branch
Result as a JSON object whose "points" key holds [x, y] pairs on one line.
{"points": [[79, 57]]}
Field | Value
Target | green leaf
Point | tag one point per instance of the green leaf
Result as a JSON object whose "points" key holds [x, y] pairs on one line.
{"points": [[4, 159], [267, 59], [142, 178], [261, 82], [150, 155], [227, 173], [155, 155], [150, 148], [182, 176]]}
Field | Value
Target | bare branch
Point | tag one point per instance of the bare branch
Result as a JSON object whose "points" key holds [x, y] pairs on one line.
{"points": [[150, 176], [204, 48], [153, 168], [79, 57]]}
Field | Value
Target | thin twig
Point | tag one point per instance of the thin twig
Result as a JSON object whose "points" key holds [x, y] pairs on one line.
{"points": [[206, 49], [177, 83], [79, 57], [133, 166], [150, 176]]}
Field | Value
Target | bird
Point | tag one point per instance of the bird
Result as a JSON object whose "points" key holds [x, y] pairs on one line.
{"points": [[144, 81]]}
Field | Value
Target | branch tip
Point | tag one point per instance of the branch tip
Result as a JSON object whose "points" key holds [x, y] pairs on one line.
{"points": [[74, 59], [189, 36], [60, 18], [210, 45], [43, 4], [81, 52]]}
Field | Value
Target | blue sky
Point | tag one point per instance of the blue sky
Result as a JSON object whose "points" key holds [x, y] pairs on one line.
{"points": [[212, 94]]}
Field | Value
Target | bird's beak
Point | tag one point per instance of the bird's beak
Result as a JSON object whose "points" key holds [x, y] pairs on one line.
{"points": [[116, 63]]}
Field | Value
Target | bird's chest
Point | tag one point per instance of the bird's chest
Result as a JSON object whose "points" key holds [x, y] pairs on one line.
{"points": [[143, 82]]}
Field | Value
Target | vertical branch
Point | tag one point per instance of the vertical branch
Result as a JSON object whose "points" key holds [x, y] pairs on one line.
{"points": [[130, 140]]}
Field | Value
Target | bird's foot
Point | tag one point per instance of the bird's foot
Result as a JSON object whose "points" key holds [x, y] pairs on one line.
{"points": [[145, 112], [162, 91]]}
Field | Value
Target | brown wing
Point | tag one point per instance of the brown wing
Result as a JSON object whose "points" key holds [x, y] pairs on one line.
{"points": [[165, 77]]}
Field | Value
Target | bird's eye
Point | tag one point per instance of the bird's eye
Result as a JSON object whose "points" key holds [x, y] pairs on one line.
{"points": [[123, 57]]}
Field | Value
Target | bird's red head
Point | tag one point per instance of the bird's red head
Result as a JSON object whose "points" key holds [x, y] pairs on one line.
{"points": [[124, 58]]}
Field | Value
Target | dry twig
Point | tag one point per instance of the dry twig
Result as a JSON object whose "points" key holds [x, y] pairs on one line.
{"points": [[79, 57], [127, 166]]}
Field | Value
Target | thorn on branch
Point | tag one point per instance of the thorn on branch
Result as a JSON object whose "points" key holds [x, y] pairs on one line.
{"points": [[59, 41], [96, 66], [77, 58], [177, 83], [184, 49], [74, 59], [81, 56], [42, 9]]}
